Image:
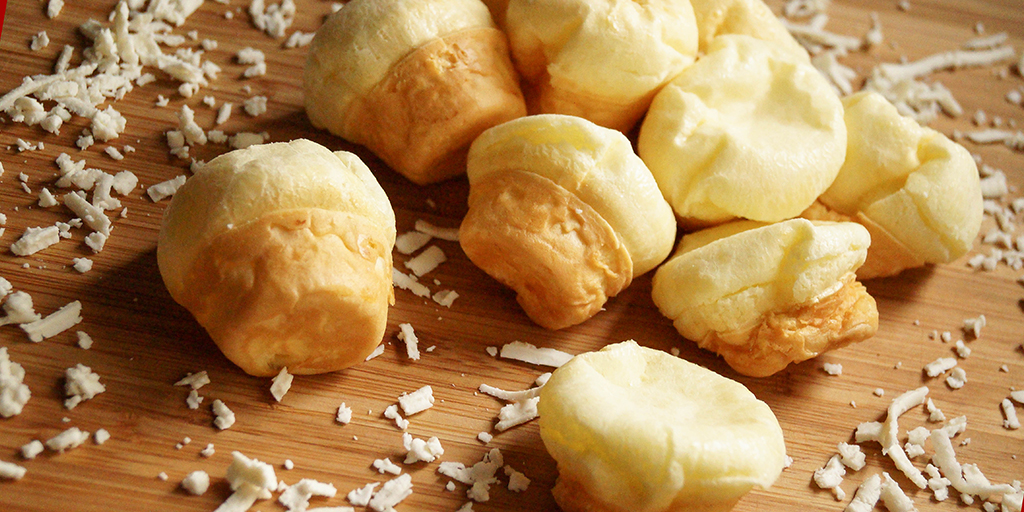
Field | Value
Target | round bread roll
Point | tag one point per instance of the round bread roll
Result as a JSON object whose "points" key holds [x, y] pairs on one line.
{"points": [[282, 252], [748, 17], [415, 81], [562, 211], [601, 60], [766, 295], [916, 191], [637, 430], [749, 131]]}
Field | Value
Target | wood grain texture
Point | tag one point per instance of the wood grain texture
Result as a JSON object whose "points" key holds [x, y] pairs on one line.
{"points": [[144, 342]]}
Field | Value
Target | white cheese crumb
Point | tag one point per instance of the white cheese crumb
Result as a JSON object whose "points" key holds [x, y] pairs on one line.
{"points": [[1018, 396], [344, 415], [830, 475], [411, 241], [96, 241], [81, 384], [852, 456], [208, 451], [162, 476], [165, 189], [35, 239], [957, 378], [972, 326], [448, 234], [961, 349], [484, 437], [82, 265], [54, 323], [419, 450], [376, 352], [255, 105], [223, 114], [888, 437], [492, 351], [517, 413], [281, 384], [391, 412], [11, 471], [53, 8], [250, 477], [66, 440], [392, 492], [939, 366], [521, 351], [407, 282], [14, 393], [426, 261], [18, 308], [224, 417], [39, 41], [417, 401], [299, 39], [1011, 422], [833, 368], [193, 400], [92, 215], [196, 482], [445, 297], [361, 497], [407, 335], [46, 199], [517, 481], [893, 496], [194, 380], [867, 495], [243, 140], [31, 449], [386, 466]]}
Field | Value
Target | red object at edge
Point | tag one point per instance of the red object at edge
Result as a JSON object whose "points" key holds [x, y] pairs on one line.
{"points": [[3, 10]]}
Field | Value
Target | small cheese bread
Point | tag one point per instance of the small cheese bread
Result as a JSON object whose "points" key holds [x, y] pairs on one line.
{"points": [[602, 60], [748, 17], [282, 252], [749, 131], [916, 191], [766, 295], [415, 81], [564, 212], [637, 430]]}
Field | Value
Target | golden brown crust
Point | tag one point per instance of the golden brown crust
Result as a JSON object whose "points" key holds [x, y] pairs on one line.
{"points": [[887, 256], [847, 316], [562, 258], [421, 119], [301, 288], [611, 112]]}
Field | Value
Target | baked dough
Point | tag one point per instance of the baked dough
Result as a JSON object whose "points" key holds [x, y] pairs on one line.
{"points": [[766, 295], [637, 430], [916, 191], [415, 81], [602, 60], [282, 252], [748, 17], [564, 212], [749, 131]]}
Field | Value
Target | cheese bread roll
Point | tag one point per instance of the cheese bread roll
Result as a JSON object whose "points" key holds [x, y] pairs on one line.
{"points": [[602, 60], [282, 252], [415, 81], [562, 211], [916, 191], [766, 295], [748, 131], [748, 17], [637, 430]]}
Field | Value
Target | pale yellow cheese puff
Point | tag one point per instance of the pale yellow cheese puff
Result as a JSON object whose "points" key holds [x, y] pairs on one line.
{"points": [[748, 131], [415, 81], [562, 211], [282, 252], [602, 60], [916, 191], [766, 295], [748, 17], [637, 430]]}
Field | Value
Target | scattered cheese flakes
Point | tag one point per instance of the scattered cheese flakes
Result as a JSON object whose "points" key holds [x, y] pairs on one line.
{"points": [[35, 239], [957, 378], [92, 215], [419, 450], [833, 368], [445, 297], [14, 393], [386, 466], [255, 105], [392, 492], [889, 439], [81, 384], [54, 323], [492, 351], [165, 189], [376, 352], [193, 400], [361, 497], [11, 471], [208, 451], [939, 366], [485, 437], [411, 241], [82, 265], [194, 380], [517, 481], [426, 261], [972, 326], [344, 415], [852, 456], [945, 459], [1018, 396], [39, 41], [867, 495], [517, 413], [281, 384], [31, 449], [18, 307], [296, 497], [521, 351], [298, 39], [511, 396], [223, 114], [274, 19], [479, 477], [893, 496], [250, 477], [53, 8], [96, 241], [417, 401], [408, 335], [407, 282], [196, 482], [831, 475], [391, 413], [1011, 422], [46, 199], [223, 417], [66, 440], [449, 234]]}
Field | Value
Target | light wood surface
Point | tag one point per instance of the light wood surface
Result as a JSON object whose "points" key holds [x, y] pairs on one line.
{"points": [[144, 342]]}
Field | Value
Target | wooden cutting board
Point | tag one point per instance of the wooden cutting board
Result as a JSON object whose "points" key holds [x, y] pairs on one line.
{"points": [[144, 342]]}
